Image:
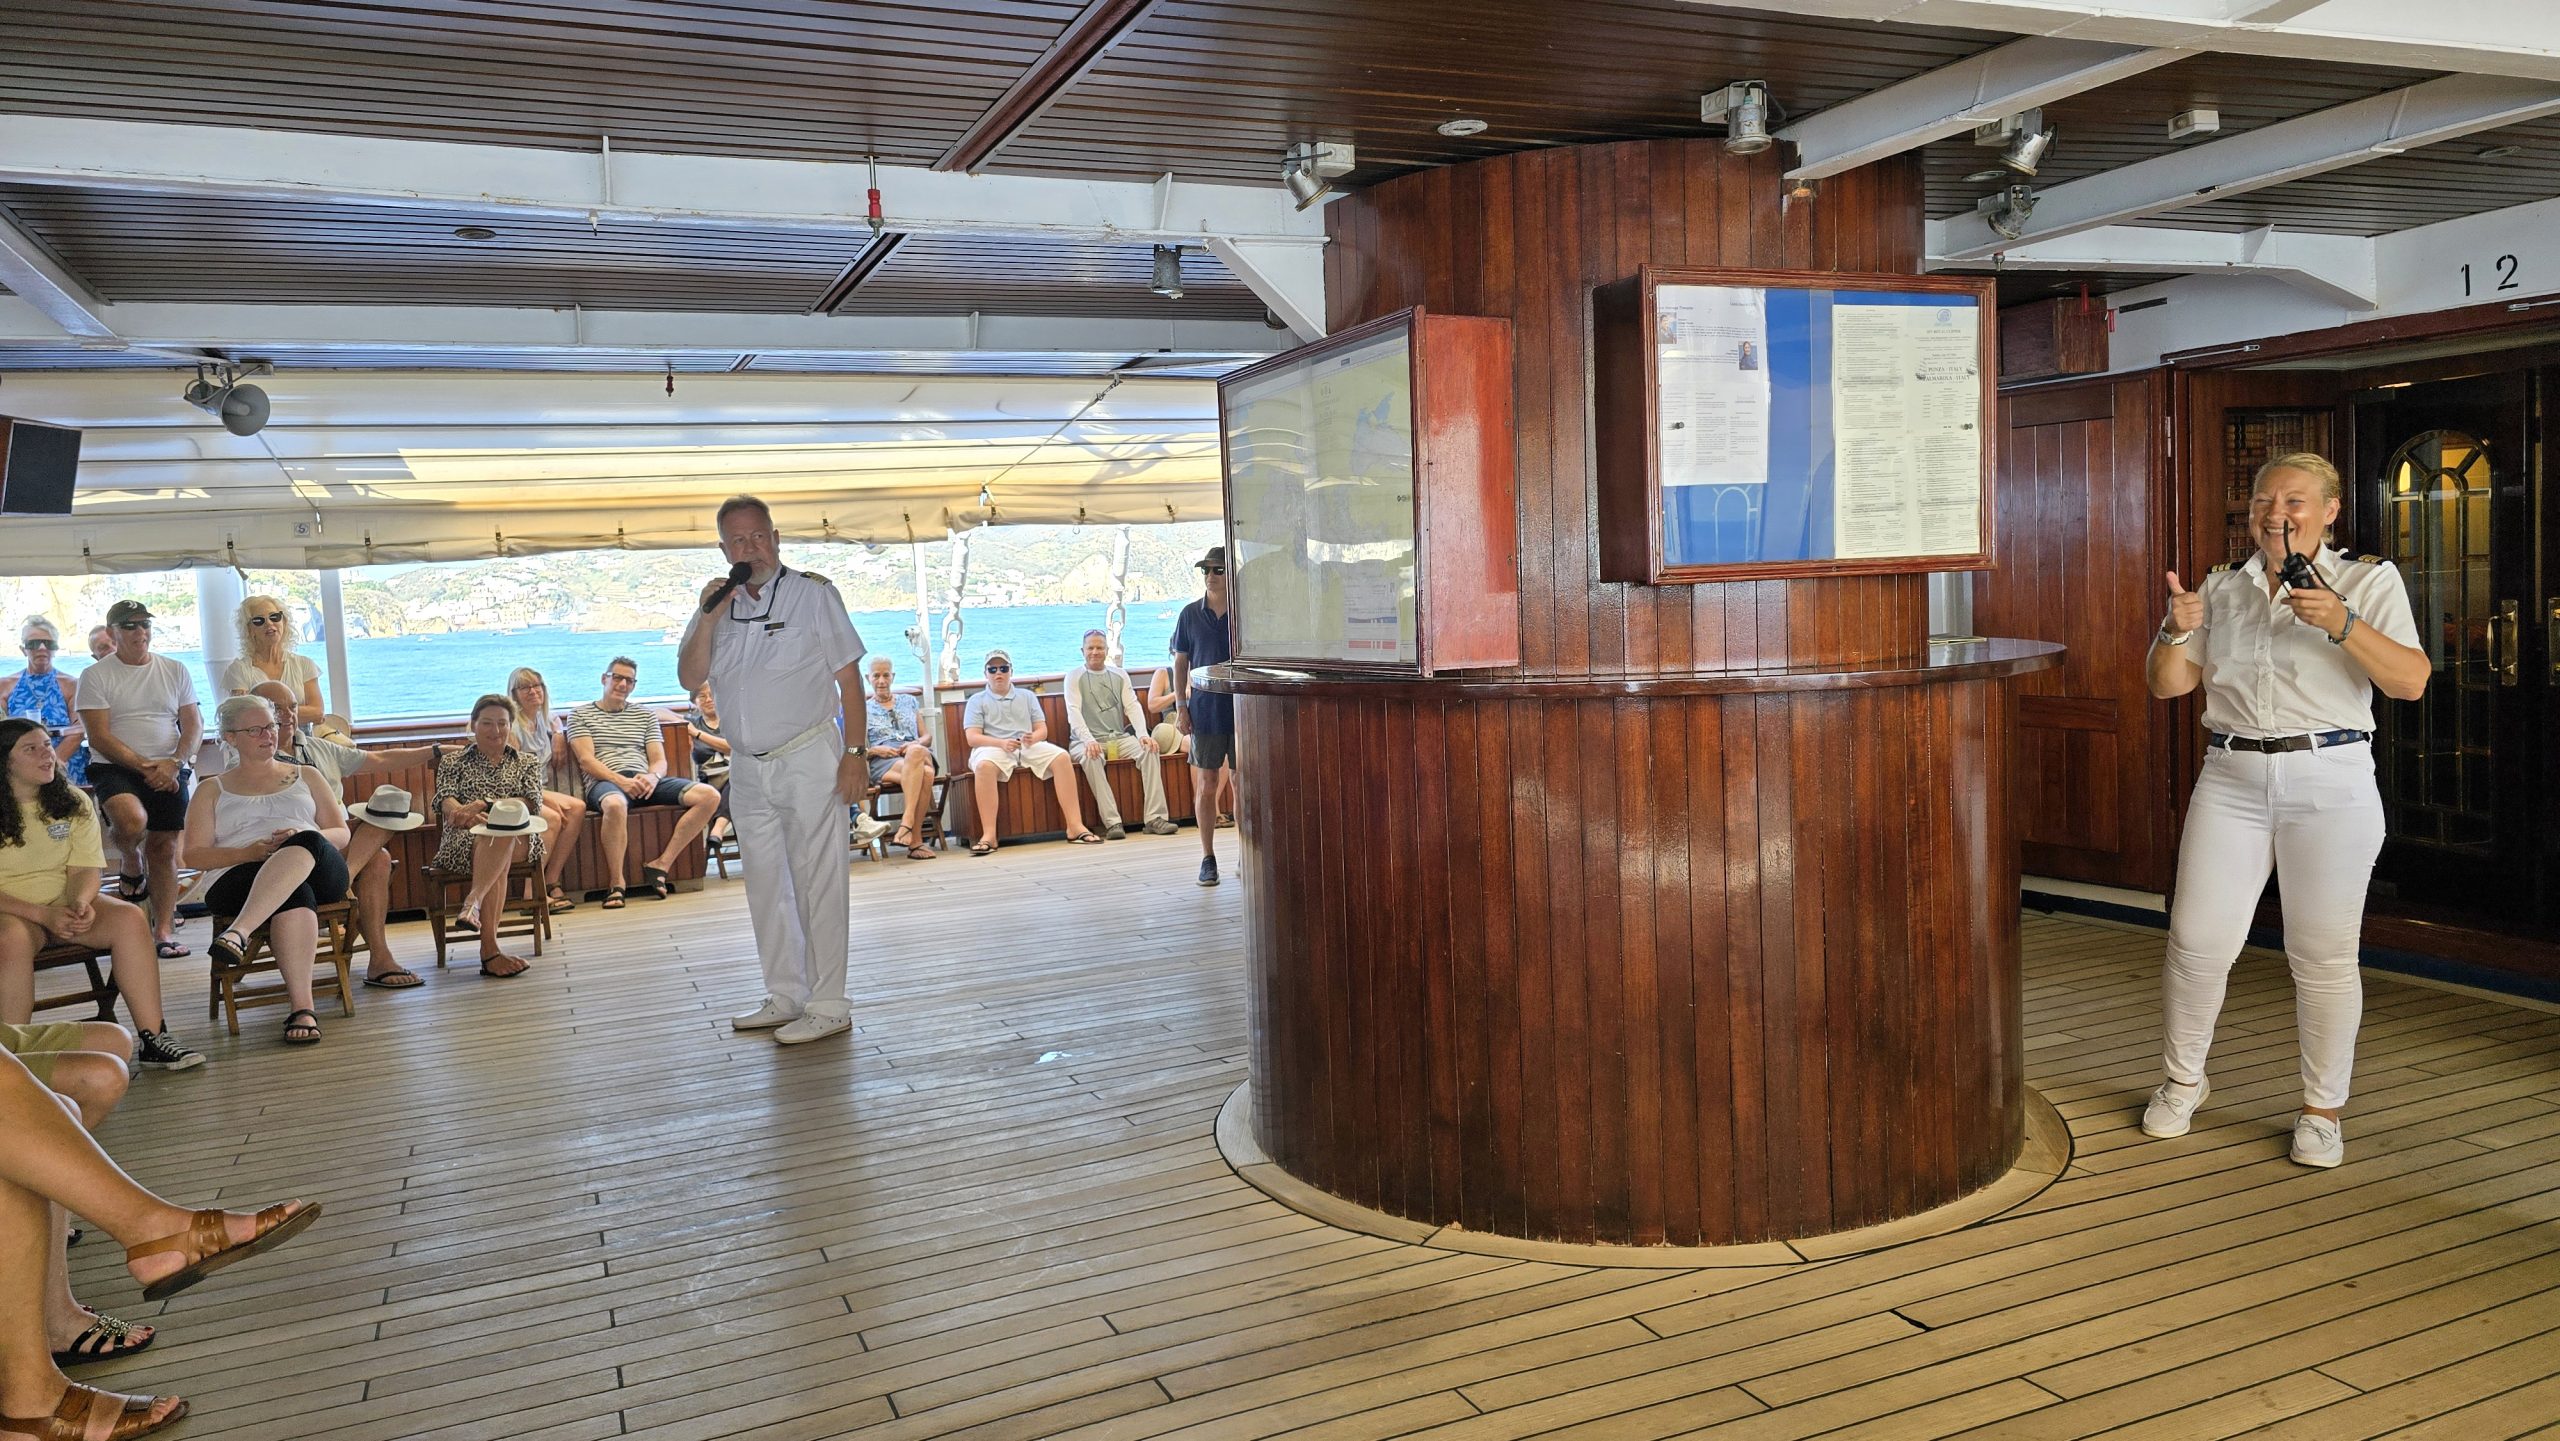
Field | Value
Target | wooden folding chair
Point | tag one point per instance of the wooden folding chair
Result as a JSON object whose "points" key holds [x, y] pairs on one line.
{"points": [[331, 965], [526, 914]]}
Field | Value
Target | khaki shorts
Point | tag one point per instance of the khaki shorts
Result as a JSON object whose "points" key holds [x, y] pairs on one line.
{"points": [[37, 1045], [1036, 757]]}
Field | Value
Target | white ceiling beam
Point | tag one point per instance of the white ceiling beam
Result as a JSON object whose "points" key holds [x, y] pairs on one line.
{"points": [[2480, 37], [1953, 99], [2387, 124], [2339, 269], [186, 326], [637, 187], [1287, 278], [35, 272]]}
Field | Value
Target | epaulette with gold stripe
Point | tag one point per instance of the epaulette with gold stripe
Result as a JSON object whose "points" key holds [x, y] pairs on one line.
{"points": [[820, 579], [2368, 560], [2226, 565]]}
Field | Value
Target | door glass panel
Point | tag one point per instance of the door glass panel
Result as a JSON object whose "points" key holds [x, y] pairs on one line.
{"points": [[2437, 784]]}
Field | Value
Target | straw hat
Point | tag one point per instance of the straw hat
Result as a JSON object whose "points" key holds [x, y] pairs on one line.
{"points": [[1168, 740], [388, 809], [510, 817]]}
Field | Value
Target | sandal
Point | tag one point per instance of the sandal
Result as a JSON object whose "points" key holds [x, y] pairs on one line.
{"points": [[983, 848], [133, 888], [654, 883], [613, 899], [490, 967], [302, 1033], [171, 950], [919, 852], [208, 1245], [230, 950], [1086, 838], [465, 922], [106, 1339], [560, 901], [86, 1413], [403, 979]]}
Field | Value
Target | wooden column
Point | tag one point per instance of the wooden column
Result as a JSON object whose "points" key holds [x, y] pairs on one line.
{"points": [[1700, 925]]}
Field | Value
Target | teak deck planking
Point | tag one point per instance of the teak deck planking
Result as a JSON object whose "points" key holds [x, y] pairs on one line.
{"points": [[575, 1206]]}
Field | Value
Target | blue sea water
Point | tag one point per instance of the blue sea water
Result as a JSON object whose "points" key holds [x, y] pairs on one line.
{"points": [[415, 675]]}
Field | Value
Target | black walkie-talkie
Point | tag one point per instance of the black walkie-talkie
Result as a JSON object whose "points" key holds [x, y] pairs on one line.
{"points": [[2296, 570]]}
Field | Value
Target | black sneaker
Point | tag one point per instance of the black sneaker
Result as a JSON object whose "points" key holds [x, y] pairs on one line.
{"points": [[1208, 870], [164, 1052]]}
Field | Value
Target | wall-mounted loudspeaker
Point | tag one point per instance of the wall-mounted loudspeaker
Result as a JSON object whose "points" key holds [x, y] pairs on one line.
{"points": [[37, 463]]}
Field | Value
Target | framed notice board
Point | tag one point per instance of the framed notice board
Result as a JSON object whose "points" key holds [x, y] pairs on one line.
{"points": [[1763, 424], [1368, 485]]}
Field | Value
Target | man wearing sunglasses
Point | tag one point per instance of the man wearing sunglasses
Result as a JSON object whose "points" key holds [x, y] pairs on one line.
{"points": [[1007, 730], [140, 712], [1200, 639]]}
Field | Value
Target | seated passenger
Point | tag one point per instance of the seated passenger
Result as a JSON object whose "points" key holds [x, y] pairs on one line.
{"points": [[1006, 729], [370, 827], [51, 1163], [489, 803], [143, 723], [624, 758], [270, 838], [85, 1063], [50, 864], [43, 694], [540, 734], [101, 641], [899, 756], [267, 654], [1105, 723], [711, 757]]}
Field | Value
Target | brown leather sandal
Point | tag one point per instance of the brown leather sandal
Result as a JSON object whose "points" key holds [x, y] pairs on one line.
{"points": [[207, 1241], [88, 1414]]}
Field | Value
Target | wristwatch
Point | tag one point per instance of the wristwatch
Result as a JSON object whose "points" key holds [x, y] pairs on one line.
{"points": [[857, 750], [2174, 637]]}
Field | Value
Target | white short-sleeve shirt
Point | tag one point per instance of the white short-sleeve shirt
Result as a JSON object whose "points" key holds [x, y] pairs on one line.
{"points": [[2268, 674], [774, 658], [141, 701], [242, 675]]}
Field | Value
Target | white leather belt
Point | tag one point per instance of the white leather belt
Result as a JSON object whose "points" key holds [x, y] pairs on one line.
{"points": [[796, 742]]}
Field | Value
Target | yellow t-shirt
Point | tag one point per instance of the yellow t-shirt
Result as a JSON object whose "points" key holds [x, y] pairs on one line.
{"points": [[32, 871]]}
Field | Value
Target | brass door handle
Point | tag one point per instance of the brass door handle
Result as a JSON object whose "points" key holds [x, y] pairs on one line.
{"points": [[2506, 635]]}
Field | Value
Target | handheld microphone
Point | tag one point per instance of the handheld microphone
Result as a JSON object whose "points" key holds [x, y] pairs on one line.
{"points": [[737, 577], [2296, 570]]}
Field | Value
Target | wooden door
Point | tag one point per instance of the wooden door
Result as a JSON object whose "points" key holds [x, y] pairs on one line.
{"points": [[2084, 529], [2445, 490]]}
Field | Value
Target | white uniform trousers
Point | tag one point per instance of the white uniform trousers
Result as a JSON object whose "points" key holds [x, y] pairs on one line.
{"points": [[2315, 817], [1150, 772], [791, 834]]}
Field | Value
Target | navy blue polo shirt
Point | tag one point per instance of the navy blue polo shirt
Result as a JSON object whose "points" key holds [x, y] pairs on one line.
{"points": [[1201, 634]]}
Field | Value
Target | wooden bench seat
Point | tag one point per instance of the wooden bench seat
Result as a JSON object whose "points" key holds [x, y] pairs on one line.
{"points": [[1026, 805]]}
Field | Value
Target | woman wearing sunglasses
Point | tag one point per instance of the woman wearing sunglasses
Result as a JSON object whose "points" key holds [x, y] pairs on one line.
{"points": [[266, 653], [44, 695]]}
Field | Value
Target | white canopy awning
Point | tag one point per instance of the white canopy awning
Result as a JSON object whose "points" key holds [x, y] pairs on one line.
{"points": [[359, 468]]}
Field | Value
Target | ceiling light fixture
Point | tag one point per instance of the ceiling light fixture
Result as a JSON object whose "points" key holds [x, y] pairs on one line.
{"points": [[1310, 168], [1168, 276], [1743, 106], [474, 232], [2200, 121], [2006, 213], [217, 390], [2023, 139], [1455, 129], [1981, 176], [1801, 189]]}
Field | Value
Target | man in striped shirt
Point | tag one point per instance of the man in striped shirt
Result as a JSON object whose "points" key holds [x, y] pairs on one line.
{"points": [[620, 751]]}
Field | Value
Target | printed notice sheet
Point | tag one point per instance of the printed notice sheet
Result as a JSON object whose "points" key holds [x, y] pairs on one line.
{"points": [[1711, 356], [1906, 398]]}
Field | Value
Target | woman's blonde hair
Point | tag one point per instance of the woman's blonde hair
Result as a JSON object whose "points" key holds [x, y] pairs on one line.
{"points": [[2309, 463], [234, 707], [258, 605]]}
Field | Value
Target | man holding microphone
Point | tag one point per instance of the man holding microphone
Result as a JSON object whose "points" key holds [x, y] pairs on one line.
{"points": [[782, 656]]}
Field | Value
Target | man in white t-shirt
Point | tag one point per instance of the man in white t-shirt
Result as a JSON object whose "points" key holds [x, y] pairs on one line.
{"points": [[1007, 730], [140, 713]]}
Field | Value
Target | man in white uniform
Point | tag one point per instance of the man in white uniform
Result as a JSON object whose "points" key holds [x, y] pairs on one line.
{"points": [[781, 655]]}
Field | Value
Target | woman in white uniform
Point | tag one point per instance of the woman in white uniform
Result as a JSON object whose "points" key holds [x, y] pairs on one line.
{"points": [[2288, 672]]}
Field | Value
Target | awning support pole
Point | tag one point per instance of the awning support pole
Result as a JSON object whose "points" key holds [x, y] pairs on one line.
{"points": [[1116, 618], [333, 635], [952, 624]]}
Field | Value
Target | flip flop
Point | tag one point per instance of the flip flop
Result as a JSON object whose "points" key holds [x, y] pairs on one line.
{"points": [[919, 852], [1087, 839], [106, 1339], [400, 980], [982, 848], [560, 901], [522, 966], [171, 950]]}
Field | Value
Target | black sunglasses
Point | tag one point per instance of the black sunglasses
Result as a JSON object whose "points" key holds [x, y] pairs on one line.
{"points": [[275, 618], [1213, 570], [133, 625], [39, 645], [999, 670]]}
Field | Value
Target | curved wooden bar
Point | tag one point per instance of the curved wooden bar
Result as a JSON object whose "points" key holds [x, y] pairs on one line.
{"points": [[1697, 927]]}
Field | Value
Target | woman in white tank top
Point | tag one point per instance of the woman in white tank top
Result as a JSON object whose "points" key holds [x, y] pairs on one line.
{"points": [[269, 837]]}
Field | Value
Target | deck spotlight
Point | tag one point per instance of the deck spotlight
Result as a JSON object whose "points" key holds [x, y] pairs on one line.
{"points": [[1743, 106], [1168, 277], [2026, 149], [2006, 213], [1310, 168], [1800, 189], [219, 392]]}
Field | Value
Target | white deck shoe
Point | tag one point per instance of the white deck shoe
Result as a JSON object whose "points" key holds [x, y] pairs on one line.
{"points": [[763, 1018], [2172, 1108], [2317, 1141], [812, 1027]]}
